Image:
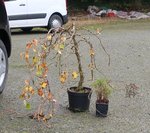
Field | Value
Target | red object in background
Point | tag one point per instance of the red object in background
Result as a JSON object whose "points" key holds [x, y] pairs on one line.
{"points": [[111, 14]]}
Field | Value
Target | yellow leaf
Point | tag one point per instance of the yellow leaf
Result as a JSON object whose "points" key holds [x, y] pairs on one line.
{"points": [[61, 46], [30, 88], [39, 70], [44, 84], [74, 75], [63, 77], [32, 91], [35, 60], [26, 89], [49, 37]]}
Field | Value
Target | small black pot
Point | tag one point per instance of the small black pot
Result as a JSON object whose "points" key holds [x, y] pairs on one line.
{"points": [[101, 109], [79, 102]]}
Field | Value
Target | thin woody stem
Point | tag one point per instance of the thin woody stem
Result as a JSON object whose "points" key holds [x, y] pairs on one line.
{"points": [[80, 84]]}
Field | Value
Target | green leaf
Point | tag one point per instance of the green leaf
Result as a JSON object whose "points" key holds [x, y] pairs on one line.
{"points": [[39, 70], [28, 106], [61, 46]]}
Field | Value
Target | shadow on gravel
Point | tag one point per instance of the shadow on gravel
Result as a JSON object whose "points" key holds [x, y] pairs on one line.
{"points": [[20, 32], [1, 96]]}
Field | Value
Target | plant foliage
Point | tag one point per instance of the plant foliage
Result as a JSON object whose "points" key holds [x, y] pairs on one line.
{"points": [[103, 89], [59, 45]]}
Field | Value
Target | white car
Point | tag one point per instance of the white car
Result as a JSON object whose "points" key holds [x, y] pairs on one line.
{"points": [[26, 14]]}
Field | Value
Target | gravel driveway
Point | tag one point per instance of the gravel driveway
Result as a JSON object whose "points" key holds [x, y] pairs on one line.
{"points": [[129, 47]]}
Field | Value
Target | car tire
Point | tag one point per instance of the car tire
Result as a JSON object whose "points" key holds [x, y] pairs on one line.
{"points": [[27, 29], [3, 66], [55, 21]]}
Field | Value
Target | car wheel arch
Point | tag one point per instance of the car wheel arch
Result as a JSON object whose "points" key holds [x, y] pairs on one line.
{"points": [[56, 13], [6, 40]]}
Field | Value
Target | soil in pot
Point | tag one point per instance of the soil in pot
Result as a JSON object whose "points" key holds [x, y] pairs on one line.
{"points": [[79, 101]]}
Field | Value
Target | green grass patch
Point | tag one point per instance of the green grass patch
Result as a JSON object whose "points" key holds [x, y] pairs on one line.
{"points": [[120, 23]]}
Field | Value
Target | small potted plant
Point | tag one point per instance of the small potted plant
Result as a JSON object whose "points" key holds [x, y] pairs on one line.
{"points": [[102, 89]]}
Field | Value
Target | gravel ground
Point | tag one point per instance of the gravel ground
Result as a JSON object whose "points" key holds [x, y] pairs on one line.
{"points": [[129, 47]]}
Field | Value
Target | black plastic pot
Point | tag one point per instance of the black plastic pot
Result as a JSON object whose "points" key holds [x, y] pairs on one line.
{"points": [[79, 102], [101, 109]]}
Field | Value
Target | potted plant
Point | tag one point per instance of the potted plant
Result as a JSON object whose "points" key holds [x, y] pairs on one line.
{"points": [[63, 46], [103, 89], [73, 40]]}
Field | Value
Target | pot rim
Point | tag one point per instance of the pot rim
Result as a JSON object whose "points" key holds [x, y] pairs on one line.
{"points": [[87, 88], [102, 102]]}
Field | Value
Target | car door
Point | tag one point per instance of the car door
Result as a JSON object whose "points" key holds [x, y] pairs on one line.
{"points": [[17, 12], [37, 11]]}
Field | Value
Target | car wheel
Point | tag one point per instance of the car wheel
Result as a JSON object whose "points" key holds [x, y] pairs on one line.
{"points": [[27, 29], [3, 66], [55, 21]]}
